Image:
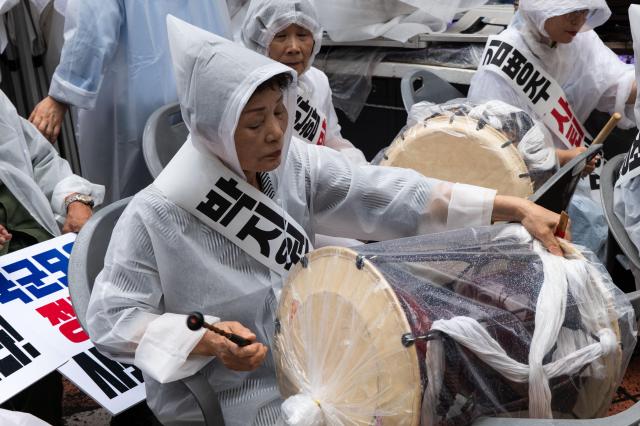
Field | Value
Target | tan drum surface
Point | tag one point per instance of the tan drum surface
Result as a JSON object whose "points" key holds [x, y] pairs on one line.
{"points": [[460, 151], [326, 307]]}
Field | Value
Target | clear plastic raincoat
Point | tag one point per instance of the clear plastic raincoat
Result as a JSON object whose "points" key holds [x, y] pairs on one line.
{"points": [[115, 67], [34, 172], [163, 262]]}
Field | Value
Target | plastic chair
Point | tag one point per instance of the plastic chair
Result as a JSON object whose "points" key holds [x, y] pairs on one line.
{"points": [[422, 85], [164, 134], [618, 240], [87, 260], [555, 194]]}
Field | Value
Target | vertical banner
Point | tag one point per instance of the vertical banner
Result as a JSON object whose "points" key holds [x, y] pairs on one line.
{"points": [[41, 332]]}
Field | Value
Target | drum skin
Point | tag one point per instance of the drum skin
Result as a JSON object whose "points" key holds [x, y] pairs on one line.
{"points": [[333, 297], [462, 150]]}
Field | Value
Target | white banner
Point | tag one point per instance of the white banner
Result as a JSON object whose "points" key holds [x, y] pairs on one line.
{"points": [[34, 301], [206, 188]]}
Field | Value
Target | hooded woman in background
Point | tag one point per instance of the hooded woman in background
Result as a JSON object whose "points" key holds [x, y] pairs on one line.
{"points": [[289, 31], [557, 36]]}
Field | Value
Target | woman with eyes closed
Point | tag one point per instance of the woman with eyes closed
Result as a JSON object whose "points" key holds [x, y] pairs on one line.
{"points": [[238, 205], [288, 31]]}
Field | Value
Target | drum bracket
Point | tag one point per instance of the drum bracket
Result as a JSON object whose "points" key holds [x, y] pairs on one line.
{"points": [[360, 262], [409, 339]]}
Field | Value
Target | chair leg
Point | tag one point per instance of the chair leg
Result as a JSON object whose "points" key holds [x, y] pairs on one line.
{"points": [[207, 399]]}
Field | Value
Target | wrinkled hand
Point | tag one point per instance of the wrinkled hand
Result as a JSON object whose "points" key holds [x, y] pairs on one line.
{"points": [[234, 357], [5, 236], [77, 215], [47, 116], [541, 224]]}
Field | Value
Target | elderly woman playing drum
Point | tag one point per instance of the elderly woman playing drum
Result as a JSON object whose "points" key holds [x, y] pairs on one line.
{"points": [[233, 211], [552, 64]]}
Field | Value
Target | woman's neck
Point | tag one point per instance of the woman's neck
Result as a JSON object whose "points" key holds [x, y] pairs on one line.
{"points": [[252, 179]]}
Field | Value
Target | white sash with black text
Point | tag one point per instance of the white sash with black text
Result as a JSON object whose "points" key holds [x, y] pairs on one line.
{"points": [[631, 165], [310, 124], [206, 188], [543, 94]]}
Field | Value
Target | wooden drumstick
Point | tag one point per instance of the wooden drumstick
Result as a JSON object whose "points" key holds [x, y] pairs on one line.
{"points": [[195, 321], [561, 229], [606, 130]]}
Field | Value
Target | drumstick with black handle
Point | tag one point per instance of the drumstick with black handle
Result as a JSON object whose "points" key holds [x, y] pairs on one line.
{"points": [[195, 321]]}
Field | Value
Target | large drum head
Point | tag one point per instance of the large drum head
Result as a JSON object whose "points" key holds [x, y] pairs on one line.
{"points": [[340, 328], [458, 149]]}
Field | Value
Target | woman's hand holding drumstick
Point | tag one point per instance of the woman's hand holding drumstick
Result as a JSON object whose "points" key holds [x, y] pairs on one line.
{"points": [[218, 341]]}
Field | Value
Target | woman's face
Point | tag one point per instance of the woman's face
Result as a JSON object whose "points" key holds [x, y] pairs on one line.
{"points": [[563, 28], [260, 131], [292, 47]]}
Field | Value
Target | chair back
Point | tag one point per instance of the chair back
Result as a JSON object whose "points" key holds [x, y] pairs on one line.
{"points": [[422, 85], [87, 256], [164, 134]]}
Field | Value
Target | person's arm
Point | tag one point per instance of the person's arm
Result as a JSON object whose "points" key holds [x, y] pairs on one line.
{"points": [[91, 34], [615, 79], [626, 205], [381, 203], [54, 177], [126, 315]]}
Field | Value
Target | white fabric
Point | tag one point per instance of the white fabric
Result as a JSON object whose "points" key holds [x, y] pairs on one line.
{"points": [[350, 20], [561, 276], [626, 195], [302, 410], [162, 260], [16, 418], [264, 19], [34, 172], [115, 67]]}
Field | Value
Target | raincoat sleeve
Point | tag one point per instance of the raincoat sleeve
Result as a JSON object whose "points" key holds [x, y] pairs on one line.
{"points": [[53, 174], [91, 33], [626, 205], [334, 137], [614, 76], [126, 318], [380, 203]]}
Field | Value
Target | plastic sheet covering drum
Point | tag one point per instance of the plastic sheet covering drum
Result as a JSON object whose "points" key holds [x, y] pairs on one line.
{"points": [[444, 328], [493, 145]]}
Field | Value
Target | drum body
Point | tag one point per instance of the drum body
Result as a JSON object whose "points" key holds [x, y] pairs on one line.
{"points": [[347, 318], [491, 146]]}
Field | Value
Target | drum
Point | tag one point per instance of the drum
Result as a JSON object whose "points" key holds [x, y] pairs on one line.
{"points": [[442, 329], [458, 145]]}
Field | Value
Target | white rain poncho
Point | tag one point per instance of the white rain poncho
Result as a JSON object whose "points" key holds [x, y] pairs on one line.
{"points": [[163, 262], [115, 67], [5, 6], [591, 76], [266, 18], [626, 195], [34, 172], [351, 20]]}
